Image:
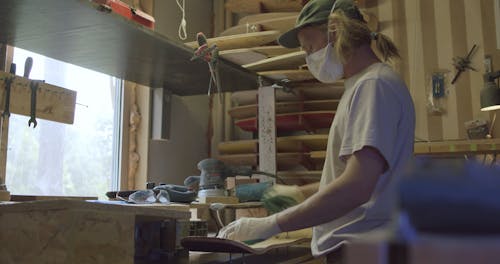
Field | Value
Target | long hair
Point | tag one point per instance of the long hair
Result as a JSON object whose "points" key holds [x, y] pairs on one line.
{"points": [[353, 33]]}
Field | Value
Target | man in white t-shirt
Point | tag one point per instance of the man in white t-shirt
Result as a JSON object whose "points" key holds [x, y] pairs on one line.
{"points": [[370, 141]]}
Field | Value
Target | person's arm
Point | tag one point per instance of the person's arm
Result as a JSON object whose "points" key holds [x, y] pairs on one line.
{"points": [[352, 189], [309, 189]]}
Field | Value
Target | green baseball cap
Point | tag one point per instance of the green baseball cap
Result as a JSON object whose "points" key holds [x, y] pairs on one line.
{"points": [[317, 12]]}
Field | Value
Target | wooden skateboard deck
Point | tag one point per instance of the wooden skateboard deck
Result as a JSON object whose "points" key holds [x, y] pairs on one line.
{"points": [[308, 121], [284, 160], [250, 55], [252, 19], [307, 91], [247, 111], [284, 144], [274, 50], [242, 56], [292, 75], [289, 61], [281, 24], [300, 177], [247, 40], [262, 6], [213, 244]]}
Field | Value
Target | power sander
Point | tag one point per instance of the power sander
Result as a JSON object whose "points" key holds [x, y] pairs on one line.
{"points": [[213, 175]]}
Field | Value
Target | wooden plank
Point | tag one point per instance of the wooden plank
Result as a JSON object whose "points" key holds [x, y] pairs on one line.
{"points": [[459, 147], [242, 56], [281, 24], [290, 61], [286, 107], [53, 103], [292, 75], [240, 41], [262, 6], [252, 19]]}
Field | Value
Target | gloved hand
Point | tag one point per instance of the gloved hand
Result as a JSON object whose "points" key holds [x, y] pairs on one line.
{"points": [[279, 197], [247, 229]]}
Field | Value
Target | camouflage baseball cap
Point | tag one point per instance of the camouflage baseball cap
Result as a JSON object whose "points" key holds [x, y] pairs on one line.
{"points": [[317, 12]]}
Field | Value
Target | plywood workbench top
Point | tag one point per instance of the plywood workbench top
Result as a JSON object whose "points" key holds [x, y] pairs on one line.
{"points": [[167, 211]]}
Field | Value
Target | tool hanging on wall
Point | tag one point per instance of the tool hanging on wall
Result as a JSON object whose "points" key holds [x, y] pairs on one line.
{"points": [[463, 63], [34, 89], [211, 56]]}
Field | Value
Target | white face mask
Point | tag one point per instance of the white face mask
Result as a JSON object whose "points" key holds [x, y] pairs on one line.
{"points": [[325, 65]]}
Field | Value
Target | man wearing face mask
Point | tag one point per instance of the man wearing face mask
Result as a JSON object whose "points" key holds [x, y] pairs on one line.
{"points": [[370, 141]]}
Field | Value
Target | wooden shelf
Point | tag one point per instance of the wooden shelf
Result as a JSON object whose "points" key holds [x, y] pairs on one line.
{"points": [[481, 146], [74, 31]]}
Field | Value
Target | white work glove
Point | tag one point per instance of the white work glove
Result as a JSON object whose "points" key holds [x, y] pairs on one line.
{"points": [[247, 229]]}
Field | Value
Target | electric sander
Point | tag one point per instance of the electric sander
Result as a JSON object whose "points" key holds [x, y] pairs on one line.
{"points": [[213, 175]]}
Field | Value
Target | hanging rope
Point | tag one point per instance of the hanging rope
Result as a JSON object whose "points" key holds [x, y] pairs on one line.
{"points": [[183, 24]]}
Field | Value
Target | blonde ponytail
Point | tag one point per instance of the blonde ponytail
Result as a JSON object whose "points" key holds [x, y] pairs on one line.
{"points": [[353, 33], [386, 47]]}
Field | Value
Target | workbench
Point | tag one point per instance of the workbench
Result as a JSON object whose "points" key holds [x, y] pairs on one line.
{"points": [[72, 231]]}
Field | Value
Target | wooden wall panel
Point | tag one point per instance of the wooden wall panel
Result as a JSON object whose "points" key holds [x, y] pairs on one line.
{"points": [[429, 33]]}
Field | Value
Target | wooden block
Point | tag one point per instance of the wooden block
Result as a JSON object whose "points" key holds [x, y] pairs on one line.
{"points": [[53, 103], [4, 195], [240, 41], [290, 61], [219, 199]]}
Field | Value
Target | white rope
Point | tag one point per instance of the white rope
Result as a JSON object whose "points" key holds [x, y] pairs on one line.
{"points": [[182, 25]]}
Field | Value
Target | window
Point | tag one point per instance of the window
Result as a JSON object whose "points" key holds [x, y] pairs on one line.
{"points": [[60, 159]]}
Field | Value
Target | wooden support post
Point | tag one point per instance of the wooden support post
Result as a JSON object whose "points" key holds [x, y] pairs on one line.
{"points": [[6, 54], [267, 129]]}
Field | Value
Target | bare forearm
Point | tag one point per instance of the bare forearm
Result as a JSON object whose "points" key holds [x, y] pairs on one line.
{"points": [[324, 206], [309, 189]]}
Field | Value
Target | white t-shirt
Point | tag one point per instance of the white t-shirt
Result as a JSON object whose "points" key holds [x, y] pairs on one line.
{"points": [[375, 110]]}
